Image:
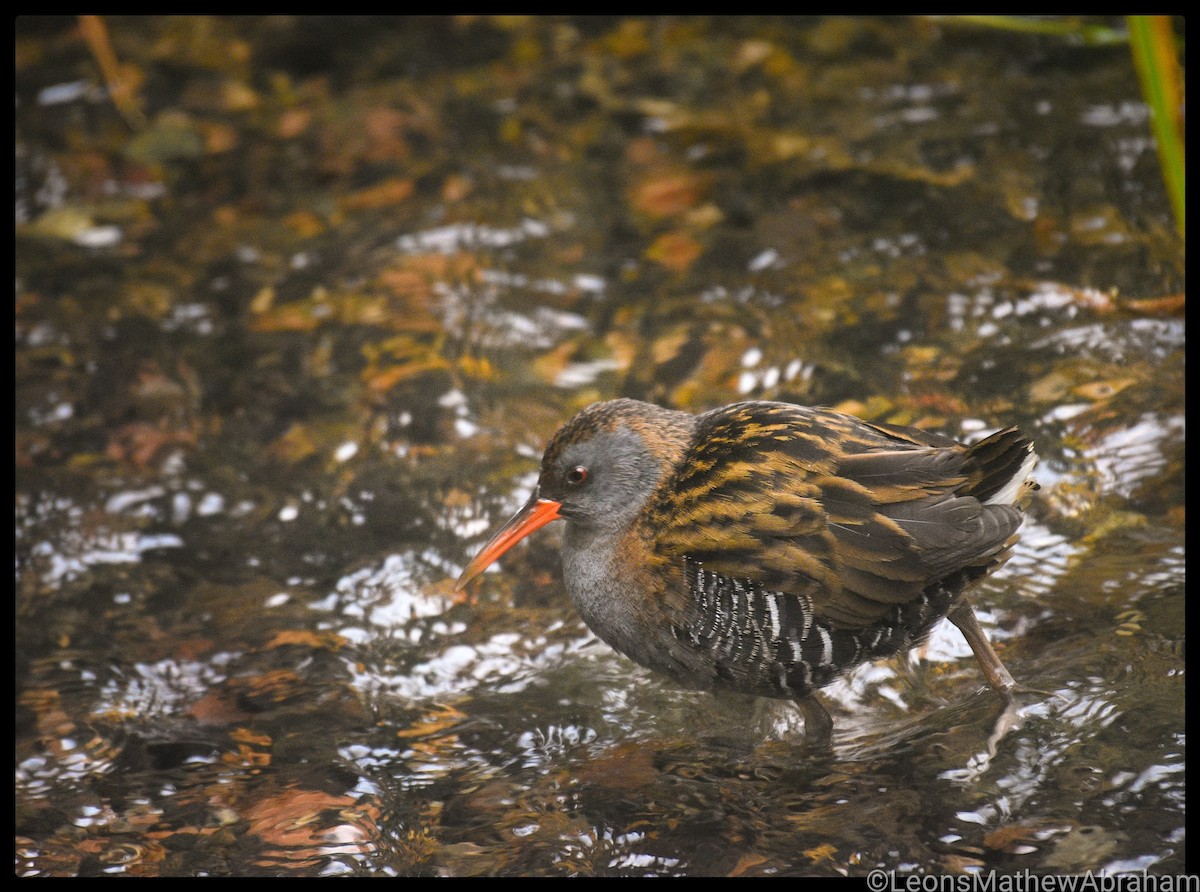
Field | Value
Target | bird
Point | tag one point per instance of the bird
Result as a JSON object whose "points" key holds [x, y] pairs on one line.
{"points": [[765, 547]]}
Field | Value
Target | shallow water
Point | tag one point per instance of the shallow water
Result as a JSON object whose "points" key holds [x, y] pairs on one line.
{"points": [[289, 348]]}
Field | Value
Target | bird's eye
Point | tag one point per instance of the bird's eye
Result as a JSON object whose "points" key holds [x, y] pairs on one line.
{"points": [[577, 475]]}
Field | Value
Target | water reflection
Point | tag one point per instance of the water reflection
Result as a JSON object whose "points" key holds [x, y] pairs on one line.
{"points": [[288, 353]]}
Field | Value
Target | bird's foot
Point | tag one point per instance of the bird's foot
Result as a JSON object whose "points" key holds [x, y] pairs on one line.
{"points": [[1025, 689], [778, 719], [818, 726]]}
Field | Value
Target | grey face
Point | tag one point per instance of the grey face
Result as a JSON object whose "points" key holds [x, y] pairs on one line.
{"points": [[602, 482]]}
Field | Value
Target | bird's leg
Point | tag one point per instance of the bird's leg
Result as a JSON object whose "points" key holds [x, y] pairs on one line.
{"points": [[818, 726], [997, 676]]}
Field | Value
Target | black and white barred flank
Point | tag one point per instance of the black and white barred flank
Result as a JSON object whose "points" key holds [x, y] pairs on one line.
{"points": [[770, 643]]}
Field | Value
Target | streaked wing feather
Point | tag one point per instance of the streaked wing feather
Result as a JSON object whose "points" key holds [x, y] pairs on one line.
{"points": [[854, 517]]}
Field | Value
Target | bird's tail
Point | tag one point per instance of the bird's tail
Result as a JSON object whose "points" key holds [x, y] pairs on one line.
{"points": [[999, 468]]}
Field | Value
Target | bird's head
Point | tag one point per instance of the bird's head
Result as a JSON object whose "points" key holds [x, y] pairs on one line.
{"points": [[598, 472]]}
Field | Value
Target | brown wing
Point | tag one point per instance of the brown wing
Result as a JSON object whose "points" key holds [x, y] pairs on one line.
{"points": [[855, 517]]}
